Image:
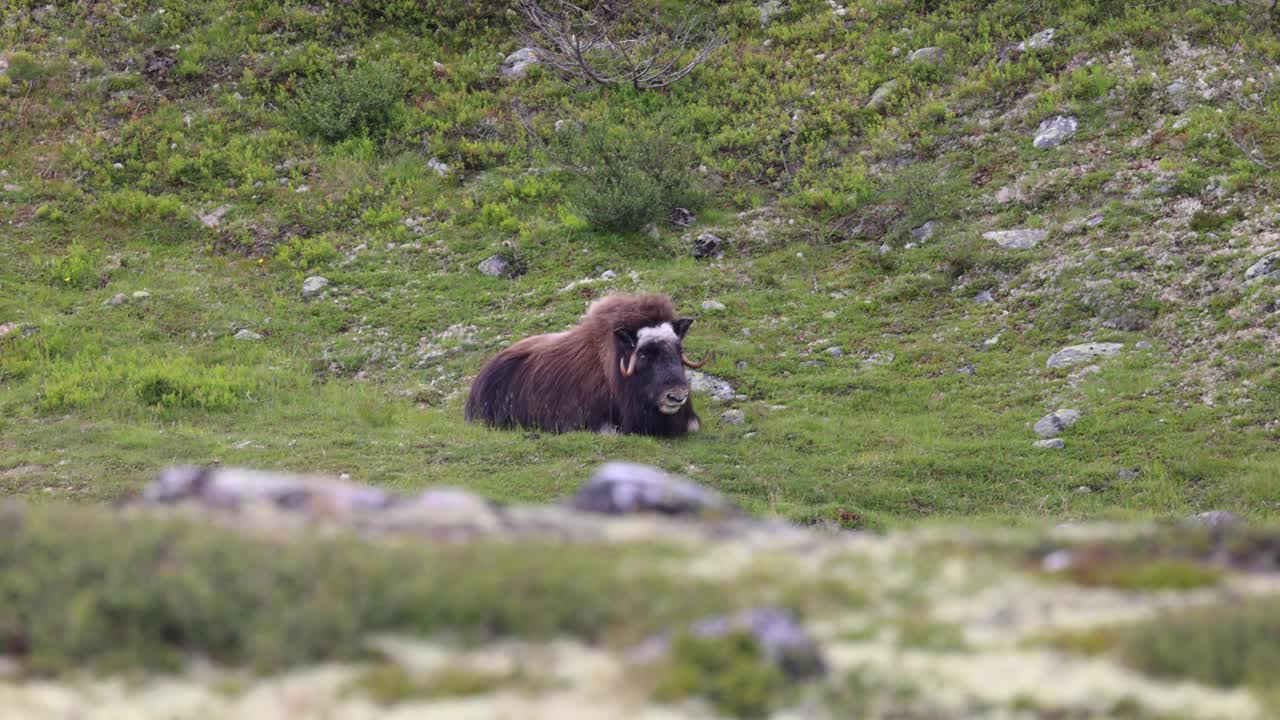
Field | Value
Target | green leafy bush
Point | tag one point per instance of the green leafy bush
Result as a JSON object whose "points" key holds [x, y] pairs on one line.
{"points": [[627, 174], [305, 253], [361, 101], [76, 269], [729, 671]]}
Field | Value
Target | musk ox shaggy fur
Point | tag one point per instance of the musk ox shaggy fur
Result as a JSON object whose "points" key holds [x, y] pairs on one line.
{"points": [[621, 368]]}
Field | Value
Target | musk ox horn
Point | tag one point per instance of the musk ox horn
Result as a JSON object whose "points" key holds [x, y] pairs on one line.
{"points": [[627, 366], [691, 364]]}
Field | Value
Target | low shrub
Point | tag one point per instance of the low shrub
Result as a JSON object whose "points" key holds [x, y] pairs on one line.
{"points": [[364, 100], [627, 174]]}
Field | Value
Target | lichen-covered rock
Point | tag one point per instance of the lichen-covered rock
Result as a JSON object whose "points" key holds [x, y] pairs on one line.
{"points": [[1054, 132], [708, 245], [1268, 268], [1054, 423], [517, 64], [1017, 239], [1076, 354]]}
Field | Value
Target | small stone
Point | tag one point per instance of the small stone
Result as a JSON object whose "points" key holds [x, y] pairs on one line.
{"points": [[1094, 221], [885, 249], [117, 166], [966, 370], [620, 488], [1054, 132], [984, 298], [439, 167], [712, 305], [1181, 123], [1143, 345], [717, 388], [1053, 444], [313, 285], [992, 341], [302, 189], [517, 64], [708, 245], [11, 188], [1054, 423], [925, 231], [834, 352], [1017, 239], [812, 363], [495, 266], [117, 299], [608, 275], [1215, 520], [1084, 490], [1128, 474], [1179, 94], [247, 334], [1076, 354], [1268, 268], [881, 96], [681, 218], [141, 294], [733, 417], [1040, 41], [212, 218], [928, 56]]}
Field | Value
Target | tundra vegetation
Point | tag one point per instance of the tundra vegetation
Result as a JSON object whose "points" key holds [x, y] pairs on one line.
{"points": [[251, 233]]}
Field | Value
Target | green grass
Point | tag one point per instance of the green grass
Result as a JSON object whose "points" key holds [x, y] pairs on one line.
{"points": [[84, 589], [115, 160]]}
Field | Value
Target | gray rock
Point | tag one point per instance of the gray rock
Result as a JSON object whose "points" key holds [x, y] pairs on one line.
{"points": [[1143, 345], [608, 275], [1017, 239], [1094, 221], [708, 245], [966, 370], [1215, 520], [117, 299], [681, 218], [1040, 41], [230, 487], [1076, 354], [620, 488], [1179, 95], [141, 294], [517, 64], [834, 351], [1181, 123], [928, 56], [1084, 490], [877, 359], [781, 640], [1268, 268], [733, 417], [717, 388], [1054, 423], [214, 217], [712, 305], [11, 188], [313, 285], [1054, 132], [925, 231], [885, 249], [496, 266], [769, 9], [439, 167], [881, 96], [984, 297], [1128, 474], [247, 334], [812, 363], [1053, 444]]}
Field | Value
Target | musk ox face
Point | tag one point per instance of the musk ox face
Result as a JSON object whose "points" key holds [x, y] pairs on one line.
{"points": [[652, 363]]}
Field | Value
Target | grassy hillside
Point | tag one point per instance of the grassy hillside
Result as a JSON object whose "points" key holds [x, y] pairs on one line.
{"points": [[174, 171]]}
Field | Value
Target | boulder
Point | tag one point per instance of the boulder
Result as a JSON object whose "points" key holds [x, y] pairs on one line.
{"points": [[1017, 239], [621, 488], [1076, 354], [1054, 132]]}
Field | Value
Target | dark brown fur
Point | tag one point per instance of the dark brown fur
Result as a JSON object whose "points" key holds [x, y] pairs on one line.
{"points": [[568, 381]]}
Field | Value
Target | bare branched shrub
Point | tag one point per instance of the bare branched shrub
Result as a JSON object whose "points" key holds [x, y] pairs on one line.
{"points": [[618, 42]]}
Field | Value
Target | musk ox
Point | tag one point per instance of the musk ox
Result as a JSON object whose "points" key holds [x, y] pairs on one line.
{"points": [[621, 368]]}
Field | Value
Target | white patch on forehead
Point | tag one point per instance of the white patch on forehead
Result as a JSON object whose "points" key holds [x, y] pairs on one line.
{"points": [[657, 333]]}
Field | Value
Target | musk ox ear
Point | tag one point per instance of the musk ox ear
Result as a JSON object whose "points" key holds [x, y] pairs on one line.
{"points": [[682, 326], [626, 338]]}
